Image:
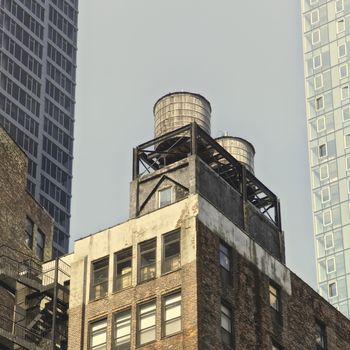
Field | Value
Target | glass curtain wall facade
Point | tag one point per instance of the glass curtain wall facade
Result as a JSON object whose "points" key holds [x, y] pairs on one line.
{"points": [[326, 36], [38, 40]]}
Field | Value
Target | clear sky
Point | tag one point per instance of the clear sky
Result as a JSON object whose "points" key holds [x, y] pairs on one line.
{"points": [[245, 57]]}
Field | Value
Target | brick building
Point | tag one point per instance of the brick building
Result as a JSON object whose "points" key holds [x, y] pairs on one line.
{"points": [[200, 264], [26, 231]]}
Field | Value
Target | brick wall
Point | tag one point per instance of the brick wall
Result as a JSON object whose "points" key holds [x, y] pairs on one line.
{"points": [[248, 295]]}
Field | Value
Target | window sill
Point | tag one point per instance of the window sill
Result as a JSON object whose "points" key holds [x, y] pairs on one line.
{"points": [[143, 282], [171, 335], [97, 299], [121, 290], [145, 344], [169, 272]]}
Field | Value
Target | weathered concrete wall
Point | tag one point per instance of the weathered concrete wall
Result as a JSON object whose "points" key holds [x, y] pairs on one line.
{"points": [[192, 175], [181, 216], [248, 295]]}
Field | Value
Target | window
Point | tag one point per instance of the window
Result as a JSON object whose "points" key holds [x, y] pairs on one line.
{"points": [[29, 233], [165, 197], [322, 150], [320, 336], [99, 283], [339, 5], [147, 260], [321, 124], [225, 263], [226, 325], [317, 61], [319, 103], [343, 71], [171, 252], [325, 195], [315, 17], [341, 50], [172, 314], [98, 335], [348, 185], [328, 241], [344, 92], [324, 173], [318, 81], [312, 2], [347, 163], [40, 244], [346, 114], [315, 37], [122, 330], [330, 263], [347, 140], [275, 298], [147, 322], [332, 289], [123, 269], [340, 25], [327, 218]]}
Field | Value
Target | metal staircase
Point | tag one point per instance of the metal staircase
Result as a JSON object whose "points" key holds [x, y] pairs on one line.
{"points": [[39, 320]]}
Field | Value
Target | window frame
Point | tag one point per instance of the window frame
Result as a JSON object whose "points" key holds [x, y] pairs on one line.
{"points": [[324, 166], [316, 11], [320, 155], [164, 308], [118, 261], [323, 335], [92, 278], [336, 289], [345, 50], [165, 244], [115, 328], [314, 61], [171, 188], [225, 274], [315, 42], [346, 143], [325, 241], [334, 264], [317, 106], [317, 87], [347, 163], [138, 321], [29, 236], [342, 89], [340, 70], [343, 114], [336, 6], [40, 251], [229, 334], [276, 312], [328, 190], [91, 323], [342, 29], [139, 255], [330, 217], [323, 119]]}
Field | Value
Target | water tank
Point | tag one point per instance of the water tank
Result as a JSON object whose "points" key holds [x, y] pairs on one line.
{"points": [[177, 109], [240, 149]]}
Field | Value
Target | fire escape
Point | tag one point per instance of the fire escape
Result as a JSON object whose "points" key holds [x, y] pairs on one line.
{"points": [[38, 317]]}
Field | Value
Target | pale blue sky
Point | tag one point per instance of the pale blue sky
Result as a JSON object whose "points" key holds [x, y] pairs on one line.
{"points": [[245, 57]]}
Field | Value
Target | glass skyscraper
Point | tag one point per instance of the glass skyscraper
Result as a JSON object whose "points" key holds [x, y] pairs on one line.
{"points": [[38, 41], [326, 33]]}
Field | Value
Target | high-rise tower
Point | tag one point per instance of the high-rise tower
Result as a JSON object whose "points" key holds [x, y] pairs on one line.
{"points": [[326, 33], [37, 95]]}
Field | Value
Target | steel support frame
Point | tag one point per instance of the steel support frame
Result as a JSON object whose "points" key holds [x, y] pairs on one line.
{"points": [[196, 141]]}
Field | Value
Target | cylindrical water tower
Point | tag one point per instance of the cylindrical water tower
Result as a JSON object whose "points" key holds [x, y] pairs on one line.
{"points": [[240, 149], [177, 109]]}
